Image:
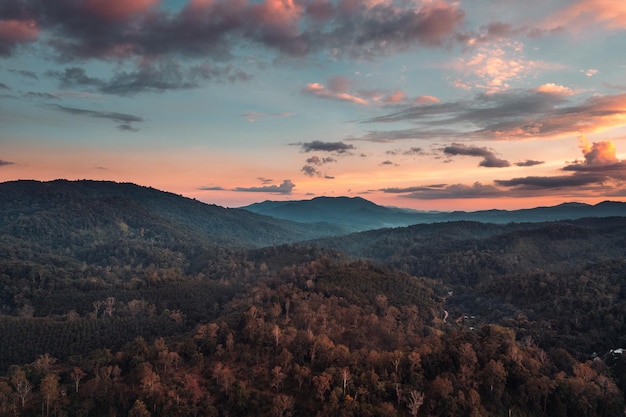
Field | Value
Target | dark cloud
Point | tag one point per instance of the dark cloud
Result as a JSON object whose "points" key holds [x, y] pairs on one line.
{"points": [[159, 76], [3, 86], [78, 30], [265, 180], [125, 127], [529, 163], [557, 181], [319, 146], [316, 160], [216, 188], [26, 74], [413, 151], [311, 171], [436, 192], [313, 162], [4, 163], [509, 115], [284, 188], [386, 163], [125, 120], [490, 160]]}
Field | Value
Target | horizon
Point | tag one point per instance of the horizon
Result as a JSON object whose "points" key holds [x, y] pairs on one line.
{"points": [[286, 200], [428, 105]]}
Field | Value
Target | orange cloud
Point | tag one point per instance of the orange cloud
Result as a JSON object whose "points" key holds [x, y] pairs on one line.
{"points": [[598, 153], [556, 89], [118, 9]]}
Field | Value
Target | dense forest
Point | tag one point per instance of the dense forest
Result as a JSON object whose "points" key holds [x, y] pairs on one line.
{"points": [[118, 300]]}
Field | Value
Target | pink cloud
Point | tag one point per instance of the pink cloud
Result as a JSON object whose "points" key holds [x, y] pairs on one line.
{"points": [[118, 9], [319, 90], [395, 98], [426, 100], [610, 14], [13, 32]]}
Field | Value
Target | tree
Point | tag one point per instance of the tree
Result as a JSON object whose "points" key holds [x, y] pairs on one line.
{"points": [[414, 402], [21, 384], [50, 391], [282, 405], [139, 410], [77, 375], [322, 384]]}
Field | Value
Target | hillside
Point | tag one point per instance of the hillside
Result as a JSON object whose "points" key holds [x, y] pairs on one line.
{"points": [[63, 209], [357, 214], [562, 282]]}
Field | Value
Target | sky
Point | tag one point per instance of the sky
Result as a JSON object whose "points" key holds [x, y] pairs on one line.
{"points": [[425, 104]]}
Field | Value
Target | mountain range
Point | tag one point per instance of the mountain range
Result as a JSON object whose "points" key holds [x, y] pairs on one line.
{"points": [[358, 214]]}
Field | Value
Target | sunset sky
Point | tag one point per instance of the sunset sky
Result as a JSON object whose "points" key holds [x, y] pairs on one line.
{"points": [[433, 105]]}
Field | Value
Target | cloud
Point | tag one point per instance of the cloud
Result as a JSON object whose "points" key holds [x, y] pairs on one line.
{"points": [[601, 170], [413, 151], [125, 120], [583, 14], [26, 74], [313, 162], [600, 159], [118, 10], [255, 116], [550, 182], [495, 66], [551, 88], [507, 115], [311, 171], [106, 29], [442, 191], [319, 90], [265, 180], [601, 173], [215, 188], [4, 163], [340, 89], [490, 160], [158, 76], [426, 100], [316, 160], [590, 72], [319, 146], [14, 32], [47, 96], [3, 86], [284, 188], [528, 163]]}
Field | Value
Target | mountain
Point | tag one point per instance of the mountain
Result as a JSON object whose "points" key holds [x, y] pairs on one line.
{"points": [[358, 214], [351, 213], [60, 208]]}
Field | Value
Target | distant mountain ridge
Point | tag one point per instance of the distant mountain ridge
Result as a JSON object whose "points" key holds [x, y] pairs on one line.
{"points": [[359, 214], [49, 209]]}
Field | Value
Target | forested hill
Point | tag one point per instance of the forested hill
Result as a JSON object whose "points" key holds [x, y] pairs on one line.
{"points": [[563, 283], [62, 211]]}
